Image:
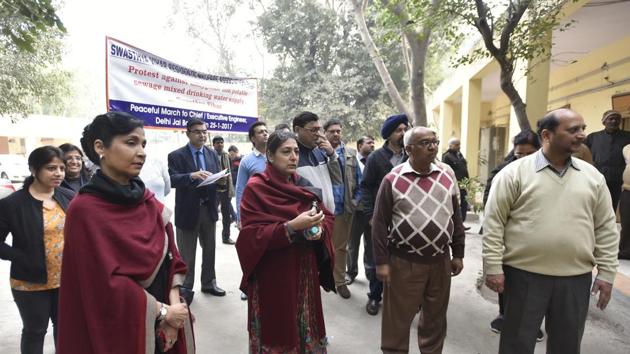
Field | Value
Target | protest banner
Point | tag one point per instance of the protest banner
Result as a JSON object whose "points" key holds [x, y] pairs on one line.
{"points": [[166, 95]]}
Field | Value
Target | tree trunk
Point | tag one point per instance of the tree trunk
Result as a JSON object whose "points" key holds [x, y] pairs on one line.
{"points": [[418, 44], [507, 86], [390, 86]]}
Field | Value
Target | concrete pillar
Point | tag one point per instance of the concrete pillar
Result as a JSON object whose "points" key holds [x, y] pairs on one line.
{"points": [[445, 128], [471, 119]]}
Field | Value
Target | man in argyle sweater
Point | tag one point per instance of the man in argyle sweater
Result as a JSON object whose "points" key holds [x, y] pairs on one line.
{"points": [[416, 218]]}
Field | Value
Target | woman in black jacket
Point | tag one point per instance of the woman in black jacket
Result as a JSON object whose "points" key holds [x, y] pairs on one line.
{"points": [[35, 216], [76, 173]]}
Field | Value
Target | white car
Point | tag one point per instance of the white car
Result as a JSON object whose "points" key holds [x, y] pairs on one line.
{"points": [[14, 168], [6, 188]]}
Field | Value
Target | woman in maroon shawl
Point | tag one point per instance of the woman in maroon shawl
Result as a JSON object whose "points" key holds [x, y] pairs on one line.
{"points": [[121, 271], [283, 267]]}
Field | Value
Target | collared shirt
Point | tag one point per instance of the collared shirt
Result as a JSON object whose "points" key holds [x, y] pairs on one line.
{"points": [[193, 152], [541, 162], [256, 152], [396, 159], [361, 160], [407, 168]]}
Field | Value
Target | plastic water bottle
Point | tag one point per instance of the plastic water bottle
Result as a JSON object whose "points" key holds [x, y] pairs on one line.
{"points": [[313, 230]]}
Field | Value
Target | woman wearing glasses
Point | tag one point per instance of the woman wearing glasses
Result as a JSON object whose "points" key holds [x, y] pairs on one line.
{"points": [[76, 173]]}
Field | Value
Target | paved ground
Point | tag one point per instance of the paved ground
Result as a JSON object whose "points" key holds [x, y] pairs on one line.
{"points": [[221, 322]]}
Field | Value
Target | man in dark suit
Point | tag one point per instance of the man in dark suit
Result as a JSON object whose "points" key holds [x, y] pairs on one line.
{"points": [[195, 208]]}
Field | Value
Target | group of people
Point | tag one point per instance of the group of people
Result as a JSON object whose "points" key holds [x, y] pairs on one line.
{"points": [[304, 201]]}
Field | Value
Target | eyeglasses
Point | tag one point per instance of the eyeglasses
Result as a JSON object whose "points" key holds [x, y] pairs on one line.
{"points": [[198, 132], [314, 130], [74, 158], [427, 143]]}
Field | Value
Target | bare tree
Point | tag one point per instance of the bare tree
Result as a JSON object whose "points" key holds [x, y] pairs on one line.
{"points": [[209, 21], [520, 33], [416, 37]]}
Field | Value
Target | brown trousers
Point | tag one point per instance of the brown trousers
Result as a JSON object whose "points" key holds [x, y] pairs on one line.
{"points": [[413, 286], [341, 235]]}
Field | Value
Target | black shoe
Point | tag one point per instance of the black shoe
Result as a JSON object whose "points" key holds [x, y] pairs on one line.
{"points": [[187, 294], [349, 279], [243, 296], [497, 324], [229, 241], [623, 255], [372, 307], [343, 291], [540, 336], [466, 228], [213, 289]]}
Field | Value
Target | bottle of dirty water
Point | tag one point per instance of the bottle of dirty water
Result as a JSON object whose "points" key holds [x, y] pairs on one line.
{"points": [[313, 230]]}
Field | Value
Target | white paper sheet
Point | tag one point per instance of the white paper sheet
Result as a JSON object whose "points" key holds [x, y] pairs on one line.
{"points": [[215, 177]]}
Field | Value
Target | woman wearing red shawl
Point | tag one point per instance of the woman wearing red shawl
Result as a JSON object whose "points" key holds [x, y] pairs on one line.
{"points": [[284, 266], [121, 272]]}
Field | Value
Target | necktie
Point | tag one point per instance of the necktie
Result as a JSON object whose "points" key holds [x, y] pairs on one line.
{"points": [[199, 156], [203, 192]]}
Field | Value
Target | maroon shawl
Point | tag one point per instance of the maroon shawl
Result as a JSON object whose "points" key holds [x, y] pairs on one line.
{"points": [[265, 253], [110, 249]]}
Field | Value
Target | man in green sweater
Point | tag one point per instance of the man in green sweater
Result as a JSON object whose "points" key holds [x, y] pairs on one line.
{"points": [[548, 222]]}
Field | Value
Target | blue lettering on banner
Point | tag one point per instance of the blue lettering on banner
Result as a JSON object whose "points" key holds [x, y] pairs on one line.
{"points": [[173, 117]]}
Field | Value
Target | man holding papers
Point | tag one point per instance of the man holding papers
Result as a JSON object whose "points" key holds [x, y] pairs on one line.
{"points": [[195, 208]]}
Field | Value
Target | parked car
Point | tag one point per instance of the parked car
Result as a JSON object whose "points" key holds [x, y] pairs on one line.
{"points": [[14, 168], [6, 187]]}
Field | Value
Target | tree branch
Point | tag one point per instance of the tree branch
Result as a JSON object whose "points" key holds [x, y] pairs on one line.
{"points": [[484, 29], [388, 82], [515, 13]]}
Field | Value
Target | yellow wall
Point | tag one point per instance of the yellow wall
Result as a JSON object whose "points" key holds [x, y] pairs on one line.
{"points": [[587, 74]]}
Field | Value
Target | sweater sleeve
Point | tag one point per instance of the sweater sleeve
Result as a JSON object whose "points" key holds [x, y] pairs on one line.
{"points": [[503, 193], [382, 221], [606, 236]]}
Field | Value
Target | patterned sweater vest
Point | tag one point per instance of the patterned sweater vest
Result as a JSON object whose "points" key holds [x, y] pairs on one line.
{"points": [[422, 221]]}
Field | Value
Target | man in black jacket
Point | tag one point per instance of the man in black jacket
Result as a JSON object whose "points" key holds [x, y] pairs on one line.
{"points": [[454, 158], [606, 146], [195, 208], [378, 164]]}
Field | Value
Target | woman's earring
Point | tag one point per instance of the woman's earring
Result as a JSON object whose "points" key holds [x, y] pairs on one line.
{"points": [[100, 157]]}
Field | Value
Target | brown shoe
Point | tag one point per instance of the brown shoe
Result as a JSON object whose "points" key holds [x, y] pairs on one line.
{"points": [[343, 291]]}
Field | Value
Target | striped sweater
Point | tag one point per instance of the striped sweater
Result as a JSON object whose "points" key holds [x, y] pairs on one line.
{"points": [[417, 216]]}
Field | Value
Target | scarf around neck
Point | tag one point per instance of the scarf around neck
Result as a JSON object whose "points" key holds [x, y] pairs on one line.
{"points": [[108, 189]]}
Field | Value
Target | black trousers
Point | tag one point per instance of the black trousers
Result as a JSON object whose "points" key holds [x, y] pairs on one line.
{"points": [[223, 198], [463, 203], [562, 301], [36, 309], [361, 226], [615, 192], [205, 231], [624, 211]]}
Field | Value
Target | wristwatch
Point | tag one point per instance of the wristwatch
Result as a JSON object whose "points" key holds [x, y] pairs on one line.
{"points": [[163, 311]]}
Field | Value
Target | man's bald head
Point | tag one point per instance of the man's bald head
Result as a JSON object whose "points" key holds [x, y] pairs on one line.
{"points": [[454, 144], [413, 133], [562, 130]]}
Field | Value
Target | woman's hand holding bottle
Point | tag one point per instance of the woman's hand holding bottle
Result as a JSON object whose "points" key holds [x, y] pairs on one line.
{"points": [[307, 219]]}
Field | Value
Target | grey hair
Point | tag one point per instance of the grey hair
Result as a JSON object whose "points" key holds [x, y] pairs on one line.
{"points": [[410, 132], [453, 140]]}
